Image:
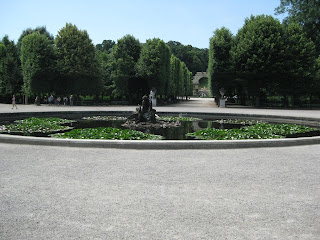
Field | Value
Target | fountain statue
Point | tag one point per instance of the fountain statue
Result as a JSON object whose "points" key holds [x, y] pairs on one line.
{"points": [[144, 112], [145, 117]]}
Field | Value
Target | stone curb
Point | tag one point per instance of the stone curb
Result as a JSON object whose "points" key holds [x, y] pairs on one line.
{"points": [[159, 144], [170, 144]]}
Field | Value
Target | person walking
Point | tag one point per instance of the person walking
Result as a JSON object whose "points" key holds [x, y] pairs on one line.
{"points": [[37, 101], [50, 100], [14, 102], [58, 100], [65, 100], [71, 100]]}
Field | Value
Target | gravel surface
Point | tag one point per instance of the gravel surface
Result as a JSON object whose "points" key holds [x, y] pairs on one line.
{"points": [[51, 192], [81, 193]]}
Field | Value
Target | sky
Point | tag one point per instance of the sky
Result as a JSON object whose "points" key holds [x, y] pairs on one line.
{"points": [[184, 21]]}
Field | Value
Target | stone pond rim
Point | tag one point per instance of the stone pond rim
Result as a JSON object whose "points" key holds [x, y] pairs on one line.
{"points": [[161, 144]]}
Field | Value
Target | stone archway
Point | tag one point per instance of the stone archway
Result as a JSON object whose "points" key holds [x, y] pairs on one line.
{"points": [[196, 79]]}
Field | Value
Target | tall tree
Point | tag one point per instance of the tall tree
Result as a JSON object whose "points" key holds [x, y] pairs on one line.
{"points": [[154, 64], [184, 79], [174, 76], [189, 91], [180, 81], [77, 62], [258, 54], [300, 56], [10, 73], [316, 84], [124, 56], [37, 60], [306, 13], [105, 61], [220, 63]]}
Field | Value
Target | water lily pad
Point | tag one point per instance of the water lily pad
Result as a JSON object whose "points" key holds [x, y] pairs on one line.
{"points": [[36, 125], [257, 131], [107, 133]]}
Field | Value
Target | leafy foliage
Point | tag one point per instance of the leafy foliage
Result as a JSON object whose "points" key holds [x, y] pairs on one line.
{"points": [[174, 84], [124, 57], [180, 81], [77, 62], [42, 30], [220, 63], [258, 53], [195, 59], [37, 60], [154, 64], [10, 74], [106, 46], [265, 57], [258, 131], [304, 12], [107, 134], [300, 55]]}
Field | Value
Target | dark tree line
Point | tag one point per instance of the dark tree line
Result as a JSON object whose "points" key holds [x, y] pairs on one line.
{"points": [[196, 59], [266, 58], [69, 63], [133, 69]]}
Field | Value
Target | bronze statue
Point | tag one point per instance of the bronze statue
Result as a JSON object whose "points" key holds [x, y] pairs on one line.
{"points": [[144, 112]]}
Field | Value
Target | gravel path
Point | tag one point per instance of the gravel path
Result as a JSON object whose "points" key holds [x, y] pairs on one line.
{"points": [[49, 192], [80, 193]]}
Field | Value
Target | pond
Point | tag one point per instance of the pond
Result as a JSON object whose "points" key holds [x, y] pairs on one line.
{"points": [[186, 130]]}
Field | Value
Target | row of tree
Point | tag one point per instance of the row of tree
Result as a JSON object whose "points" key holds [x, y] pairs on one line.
{"points": [[265, 58], [71, 64], [132, 69], [196, 59]]}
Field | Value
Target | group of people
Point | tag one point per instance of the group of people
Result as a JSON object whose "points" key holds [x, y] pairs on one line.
{"points": [[50, 100], [58, 101]]}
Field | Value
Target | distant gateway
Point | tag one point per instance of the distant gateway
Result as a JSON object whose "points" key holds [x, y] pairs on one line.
{"points": [[196, 79]]}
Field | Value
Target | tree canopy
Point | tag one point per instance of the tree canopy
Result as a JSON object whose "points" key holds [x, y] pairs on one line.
{"points": [[154, 64], [124, 57], [77, 62], [299, 61], [10, 75], [106, 46], [42, 30], [220, 63], [264, 58], [195, 59], [306, 13], [37, 59]]}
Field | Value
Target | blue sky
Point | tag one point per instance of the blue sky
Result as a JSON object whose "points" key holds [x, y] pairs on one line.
{"points": [[188, 22]]}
